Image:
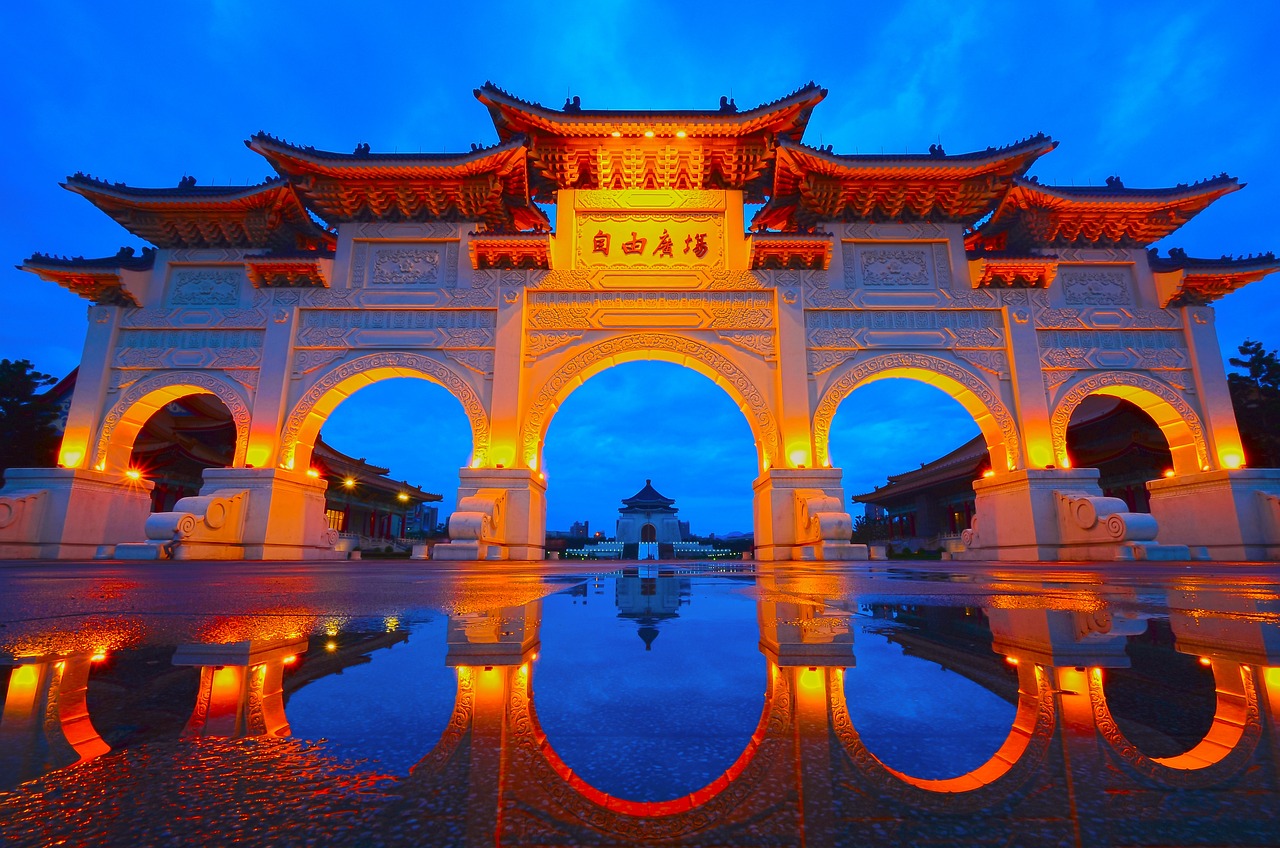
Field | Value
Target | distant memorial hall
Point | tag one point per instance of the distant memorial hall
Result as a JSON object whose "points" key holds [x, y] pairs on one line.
{"points": [[1018, 299]]}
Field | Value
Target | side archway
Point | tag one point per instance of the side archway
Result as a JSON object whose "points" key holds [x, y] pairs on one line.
{"points": [[340, 382], [1171, 413], [144, 398], [997, 424], [661, 346]]}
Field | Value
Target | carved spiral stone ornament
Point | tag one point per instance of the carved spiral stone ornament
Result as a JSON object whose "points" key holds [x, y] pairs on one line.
{"points": [[200, 383], [423, 366], [761, 419], [866, 370], [1086, 386]]}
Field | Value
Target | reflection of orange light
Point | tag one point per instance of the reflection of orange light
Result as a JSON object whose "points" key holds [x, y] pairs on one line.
{"points": [[1011, 660], [811, 678], [291, 659], [1206, 661]]}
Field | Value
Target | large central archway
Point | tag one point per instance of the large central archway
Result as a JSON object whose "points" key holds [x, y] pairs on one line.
{"points": [[666, 347]]}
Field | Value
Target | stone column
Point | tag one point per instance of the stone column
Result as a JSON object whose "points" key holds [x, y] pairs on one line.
{"points": [[799, 514], [271, 397], [71, 511]]}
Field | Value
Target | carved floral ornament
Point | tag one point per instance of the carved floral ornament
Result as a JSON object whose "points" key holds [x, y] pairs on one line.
{"points": [[415, 365], [199, 383], [1086, 386], [750, 398], [878, 367]]}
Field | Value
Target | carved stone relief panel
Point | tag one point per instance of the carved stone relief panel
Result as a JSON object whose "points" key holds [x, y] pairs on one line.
{"points": [[1109, 285], [210, 286], [639, 309], [189, 349], [858, 329], [404, 264], [895, 266], [414, 328], [1113, 349]]}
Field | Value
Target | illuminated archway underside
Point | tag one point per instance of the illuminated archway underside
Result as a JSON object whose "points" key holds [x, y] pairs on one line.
{"points": [[856, 268], [644, 346], [144, 398], [1171, 413], [994, 420], [313, 409]]}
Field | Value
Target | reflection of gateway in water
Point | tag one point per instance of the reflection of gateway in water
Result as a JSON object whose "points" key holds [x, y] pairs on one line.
{"points": [[1066, 773], [650, 600]]}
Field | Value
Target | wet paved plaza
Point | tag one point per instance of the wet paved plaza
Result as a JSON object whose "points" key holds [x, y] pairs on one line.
{"points": [[396, 703]]}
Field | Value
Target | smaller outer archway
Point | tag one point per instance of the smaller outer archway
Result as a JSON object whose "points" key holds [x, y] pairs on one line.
{"points": [[122, 424], [992, 417], [339, 383], [678, 350], [1173, 415]]}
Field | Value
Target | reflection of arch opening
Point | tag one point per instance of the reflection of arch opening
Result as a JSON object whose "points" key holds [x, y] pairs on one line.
{"points": [[998, 427], [1227, 748], [641, 346], [1024, 748], [1173, 415], [657, 819], [305, 420], [143, 399], [648, 533]]}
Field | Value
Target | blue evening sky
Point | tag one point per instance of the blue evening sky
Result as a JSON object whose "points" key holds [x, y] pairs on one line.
{"points": [[145, 93]]}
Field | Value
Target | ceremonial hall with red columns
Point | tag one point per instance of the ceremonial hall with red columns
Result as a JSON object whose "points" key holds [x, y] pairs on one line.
{"points": [[1016, 298]]}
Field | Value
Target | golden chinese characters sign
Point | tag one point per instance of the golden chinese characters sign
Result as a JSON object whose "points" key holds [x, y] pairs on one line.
{"points": [[650, 241]]}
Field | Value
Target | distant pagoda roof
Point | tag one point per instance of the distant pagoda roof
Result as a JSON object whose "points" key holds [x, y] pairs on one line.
{"points": [[673, 149], [486, 184], [1206, 280], [648, 500], [99, 280], [812, 185], [259, 216], [1031, 214]]}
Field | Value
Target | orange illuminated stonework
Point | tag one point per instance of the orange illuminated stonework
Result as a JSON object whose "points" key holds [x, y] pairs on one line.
{"points": [[1016, 298]]}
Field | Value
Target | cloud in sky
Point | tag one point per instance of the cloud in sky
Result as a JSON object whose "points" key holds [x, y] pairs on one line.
{"points": [[149, 92]]}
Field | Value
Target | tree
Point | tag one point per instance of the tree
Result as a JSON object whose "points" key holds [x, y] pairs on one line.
{"points": [[29, 436], [1255, 395]]}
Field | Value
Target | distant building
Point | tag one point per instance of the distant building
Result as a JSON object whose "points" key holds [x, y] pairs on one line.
{"points": [[649, 517], [580, 530]]}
